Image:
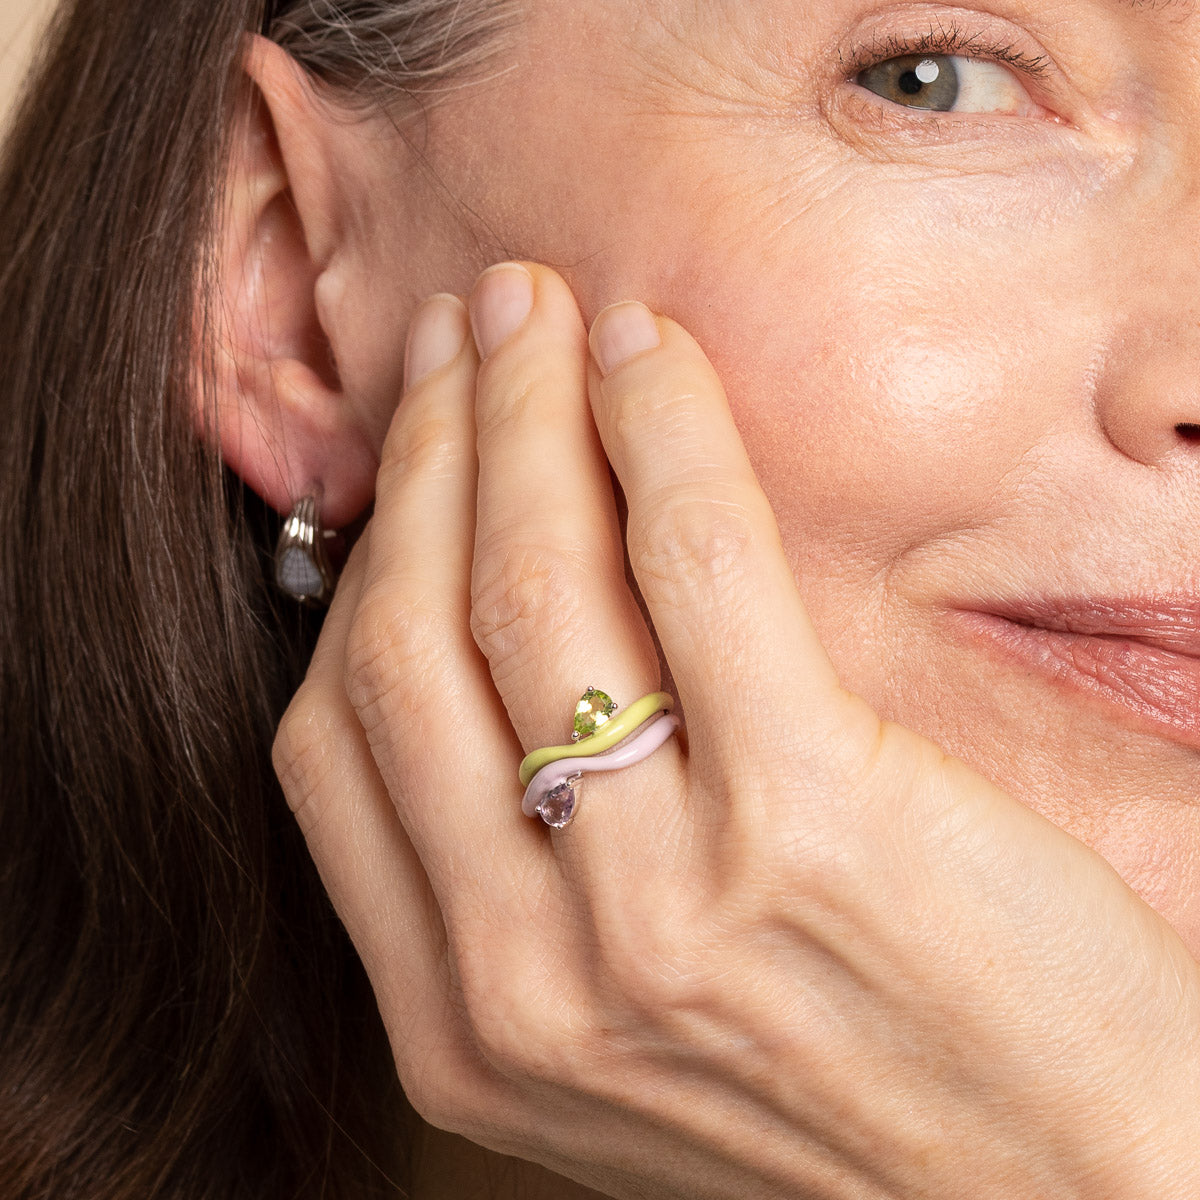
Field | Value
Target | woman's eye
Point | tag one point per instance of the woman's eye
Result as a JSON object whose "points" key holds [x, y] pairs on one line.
{"points": [[948, 83]]}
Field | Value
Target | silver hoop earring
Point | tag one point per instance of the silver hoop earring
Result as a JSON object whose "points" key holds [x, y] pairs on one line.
{"points": [[302, 567]]}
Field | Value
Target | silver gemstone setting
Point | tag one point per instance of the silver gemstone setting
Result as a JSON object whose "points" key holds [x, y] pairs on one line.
{"points": [[559, 807]]}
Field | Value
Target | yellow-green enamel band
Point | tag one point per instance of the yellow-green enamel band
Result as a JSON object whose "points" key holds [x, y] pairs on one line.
{"points": [[608, 735]]}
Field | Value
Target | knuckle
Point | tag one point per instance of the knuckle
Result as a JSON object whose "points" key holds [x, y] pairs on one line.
{"points": [[514, 1045], [429, 1100], [433, 1086], [517, 392], [423, 442], [689, 539], [517, 1023], [655, 958], [443, 1079], [665, 402], [301, 758], [520, 596], [392, 657], [655, 405], [511, 397]]}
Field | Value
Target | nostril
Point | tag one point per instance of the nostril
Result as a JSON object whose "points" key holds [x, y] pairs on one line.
{"points": [[1189, 433]]}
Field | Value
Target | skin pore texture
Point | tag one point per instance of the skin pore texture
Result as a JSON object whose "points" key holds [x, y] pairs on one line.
{"points": [[959, 347]]}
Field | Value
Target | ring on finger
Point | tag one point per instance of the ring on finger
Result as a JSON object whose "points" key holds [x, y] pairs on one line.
{"points": [[597, 729], [608, 744]]}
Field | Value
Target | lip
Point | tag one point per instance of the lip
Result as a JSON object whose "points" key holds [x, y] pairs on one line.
{"points": [[1138, 659]]}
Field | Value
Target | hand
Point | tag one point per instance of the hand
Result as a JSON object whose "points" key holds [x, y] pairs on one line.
{"points": [[803, 954]]}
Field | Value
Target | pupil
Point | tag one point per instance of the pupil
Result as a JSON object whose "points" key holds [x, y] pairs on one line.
{"points": [[914, 81]]}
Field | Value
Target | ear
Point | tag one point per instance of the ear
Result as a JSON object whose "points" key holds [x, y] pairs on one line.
{"points": [[283, 421]]}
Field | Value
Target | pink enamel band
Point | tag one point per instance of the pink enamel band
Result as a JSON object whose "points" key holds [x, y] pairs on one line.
{"points": [[636, 746]]}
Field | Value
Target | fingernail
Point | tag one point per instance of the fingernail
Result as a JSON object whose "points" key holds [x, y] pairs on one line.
{"points": [[621, 331], [500, 302], [435, 337]]}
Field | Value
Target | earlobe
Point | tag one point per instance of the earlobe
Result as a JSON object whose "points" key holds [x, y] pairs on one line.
{"points": [[283, 421]]}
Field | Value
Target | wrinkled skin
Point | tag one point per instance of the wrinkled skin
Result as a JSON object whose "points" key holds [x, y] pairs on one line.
{"points": [[808, 956], [960, 353], [956, 347]]}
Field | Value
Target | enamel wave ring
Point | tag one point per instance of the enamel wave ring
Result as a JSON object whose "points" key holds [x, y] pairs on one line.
{"points": [[603, 740]]}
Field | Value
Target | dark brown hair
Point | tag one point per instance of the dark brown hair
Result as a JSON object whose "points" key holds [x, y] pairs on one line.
{"points": [[180, 1012]]}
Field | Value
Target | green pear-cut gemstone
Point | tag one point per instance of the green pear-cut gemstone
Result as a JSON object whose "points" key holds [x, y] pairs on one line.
{"points": [[592, 711]]}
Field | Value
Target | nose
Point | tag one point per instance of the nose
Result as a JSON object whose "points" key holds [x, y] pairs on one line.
{"points": [[1146, 378], [1148, 394]]}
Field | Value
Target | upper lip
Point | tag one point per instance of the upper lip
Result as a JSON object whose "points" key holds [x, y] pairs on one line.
{"points": [[1171, 624]]}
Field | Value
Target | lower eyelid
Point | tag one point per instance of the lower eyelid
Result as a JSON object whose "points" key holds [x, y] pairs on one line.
{"points": [[886, 132]]}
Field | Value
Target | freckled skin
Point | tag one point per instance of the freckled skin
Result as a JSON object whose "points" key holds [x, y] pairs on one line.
{"points": [[957, 358]]}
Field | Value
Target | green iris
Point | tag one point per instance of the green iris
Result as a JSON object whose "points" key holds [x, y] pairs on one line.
{"points": [[915, 81]]}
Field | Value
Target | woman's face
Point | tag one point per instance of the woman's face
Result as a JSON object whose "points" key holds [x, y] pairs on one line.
{"points": [[962, 346]]}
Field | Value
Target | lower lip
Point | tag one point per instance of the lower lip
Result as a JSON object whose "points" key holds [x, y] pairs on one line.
{"points": [[1159, 689]]}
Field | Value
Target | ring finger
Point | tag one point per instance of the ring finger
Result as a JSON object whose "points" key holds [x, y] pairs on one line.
{"points": [[551, 610]]}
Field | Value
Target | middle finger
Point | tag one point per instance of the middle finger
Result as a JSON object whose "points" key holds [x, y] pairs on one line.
{"points": [[552, 610]]}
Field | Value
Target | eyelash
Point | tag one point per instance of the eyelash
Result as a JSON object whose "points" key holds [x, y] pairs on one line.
{"points": [[947, 39]]}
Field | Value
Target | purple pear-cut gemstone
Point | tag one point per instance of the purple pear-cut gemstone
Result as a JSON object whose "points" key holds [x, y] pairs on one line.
{"points": [[559, 806]]}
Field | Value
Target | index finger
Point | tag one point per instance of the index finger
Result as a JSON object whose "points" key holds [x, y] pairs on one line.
{"points": [[707, 555]]}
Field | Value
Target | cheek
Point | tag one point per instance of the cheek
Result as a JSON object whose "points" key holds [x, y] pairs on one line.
{"points": [[896, 395], [895, 360], [889, 370], [889, 376], [861, 428], [879, 414]]}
